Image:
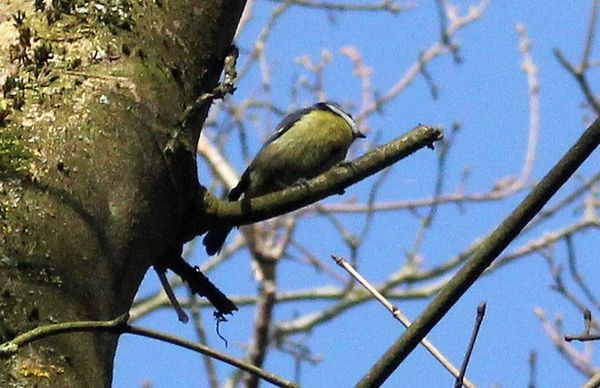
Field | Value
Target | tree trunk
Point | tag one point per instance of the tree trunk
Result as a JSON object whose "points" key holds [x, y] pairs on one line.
{"points": [[96, 182]]}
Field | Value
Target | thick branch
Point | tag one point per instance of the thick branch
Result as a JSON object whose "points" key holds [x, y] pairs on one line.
{"points": [[484, 256], [332, 182]]}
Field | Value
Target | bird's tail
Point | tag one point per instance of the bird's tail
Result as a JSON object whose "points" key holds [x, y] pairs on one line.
{"points": [[215, 238]]}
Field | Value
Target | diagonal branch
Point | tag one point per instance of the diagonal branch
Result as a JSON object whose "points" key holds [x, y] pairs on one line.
{"points": [[403, 319], [331, 182], [484, 256]]}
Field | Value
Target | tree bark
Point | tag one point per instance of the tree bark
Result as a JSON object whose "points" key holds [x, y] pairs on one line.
{"points": [[96, 182]]}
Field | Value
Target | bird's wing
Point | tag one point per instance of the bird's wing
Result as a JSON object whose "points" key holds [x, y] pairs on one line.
{"points": [[281, 128], [286, 124]]}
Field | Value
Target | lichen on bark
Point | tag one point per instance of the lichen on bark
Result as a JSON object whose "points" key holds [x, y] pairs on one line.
{"points": [[89, 200]]}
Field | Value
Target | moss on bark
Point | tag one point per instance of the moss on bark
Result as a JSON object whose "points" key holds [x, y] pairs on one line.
{"points": [[88, 197]]}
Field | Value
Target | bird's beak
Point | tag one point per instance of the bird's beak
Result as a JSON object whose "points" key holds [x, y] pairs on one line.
{"points": [[359, 135]]}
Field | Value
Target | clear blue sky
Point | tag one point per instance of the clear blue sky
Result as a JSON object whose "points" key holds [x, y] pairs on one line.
{"points": [[487, 94]]}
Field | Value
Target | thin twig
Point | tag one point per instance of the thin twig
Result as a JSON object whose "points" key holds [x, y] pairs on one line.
{"points": [[580, 78], [529, 68], [445, 37], [119, 326], [586, 335], [362, 72], [221, 90], [434, 51], [263, 316], [263, 36], [426, 221], [589, 42], [399, 315], [209, 365], [312, 260], [115, 325], [267, 376], [480, 314], [371, 201], [532, 369], [577, 277], [220, 167], [571, 354], [441, 8], [551, 210], [384, 5], [181, 315]]}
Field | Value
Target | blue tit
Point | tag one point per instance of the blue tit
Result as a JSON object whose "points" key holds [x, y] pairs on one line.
{"points": [[306, 143]]}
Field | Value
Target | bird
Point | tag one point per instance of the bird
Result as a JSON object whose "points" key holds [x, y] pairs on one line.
{"points": [[305, 144]]}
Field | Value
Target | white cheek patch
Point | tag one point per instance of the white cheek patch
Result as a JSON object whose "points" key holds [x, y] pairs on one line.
{"points": [[279, 133], [344, 115]]}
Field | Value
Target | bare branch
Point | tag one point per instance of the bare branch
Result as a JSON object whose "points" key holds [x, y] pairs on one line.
{"points": [[119, 326], [480, 314], [384, 5], [570, 354], [530, 69], [427, 56], [589, 42], [580, 78], [263, 315], [485, 255], [403, 319], [331, 182]]}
